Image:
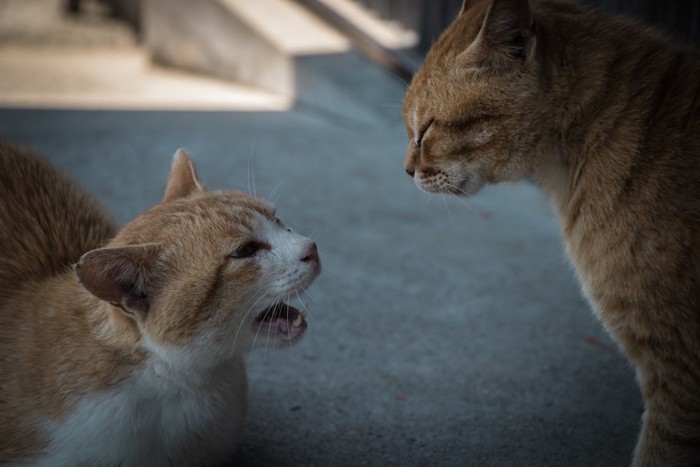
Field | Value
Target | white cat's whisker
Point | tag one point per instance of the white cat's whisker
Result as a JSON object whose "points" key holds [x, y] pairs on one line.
{"points": [[245, 318], [255, 338], [313, 235], [310, 295], [305, 306], [267, 342], [272, 197], [290, 325]]}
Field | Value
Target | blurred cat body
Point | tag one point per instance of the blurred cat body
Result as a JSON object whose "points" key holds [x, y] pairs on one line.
{"points": [[604, 115], [133, 356]]}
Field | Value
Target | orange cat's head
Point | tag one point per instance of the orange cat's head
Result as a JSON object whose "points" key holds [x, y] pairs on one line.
{"points": [[474, 111], [204, 271]]}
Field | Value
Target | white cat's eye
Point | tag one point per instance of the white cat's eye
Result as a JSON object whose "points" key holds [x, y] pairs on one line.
{"points": [[247, 250]]}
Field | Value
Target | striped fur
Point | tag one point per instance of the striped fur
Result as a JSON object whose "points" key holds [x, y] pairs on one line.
{"points": [[603, 114]]}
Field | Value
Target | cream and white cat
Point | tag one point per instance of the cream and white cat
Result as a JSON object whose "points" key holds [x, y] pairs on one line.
{"points": [[134, 355]]}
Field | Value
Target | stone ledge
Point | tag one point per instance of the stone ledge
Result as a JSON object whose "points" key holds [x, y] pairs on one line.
{"points": [[275, 45]]}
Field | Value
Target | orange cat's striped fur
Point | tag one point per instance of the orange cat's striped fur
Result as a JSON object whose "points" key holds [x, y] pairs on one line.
{"points": [[134, 355], [604, 115]]}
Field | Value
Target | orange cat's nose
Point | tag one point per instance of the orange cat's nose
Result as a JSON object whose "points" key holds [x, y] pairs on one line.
{"points": [[410, 162]]}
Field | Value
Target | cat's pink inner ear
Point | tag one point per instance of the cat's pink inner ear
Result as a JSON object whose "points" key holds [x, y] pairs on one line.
{"points": [[121, 276], [182, 181]]}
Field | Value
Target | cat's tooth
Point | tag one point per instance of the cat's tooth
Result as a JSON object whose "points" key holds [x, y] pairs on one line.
{"points": [[297, 322]]}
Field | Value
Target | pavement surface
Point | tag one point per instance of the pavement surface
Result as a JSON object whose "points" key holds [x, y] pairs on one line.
{"points": [[443, 332]]}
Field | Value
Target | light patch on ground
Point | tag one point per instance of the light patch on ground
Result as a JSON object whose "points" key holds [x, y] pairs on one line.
{"points": [[116, 79]]}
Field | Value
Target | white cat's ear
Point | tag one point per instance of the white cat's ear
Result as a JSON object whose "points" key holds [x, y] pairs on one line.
{"points": [[121, 276], [506, 39], [182, 180]]}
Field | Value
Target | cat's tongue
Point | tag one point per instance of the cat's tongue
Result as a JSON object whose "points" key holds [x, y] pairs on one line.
{"points": [[287, 320]]}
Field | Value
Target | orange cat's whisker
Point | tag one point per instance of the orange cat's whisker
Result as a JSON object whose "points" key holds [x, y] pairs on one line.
{"points": [[447, 207], [456, 188]]}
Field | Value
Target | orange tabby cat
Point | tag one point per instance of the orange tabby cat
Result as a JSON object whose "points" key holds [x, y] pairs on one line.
{"points": [[134, 355], [604, 115]]}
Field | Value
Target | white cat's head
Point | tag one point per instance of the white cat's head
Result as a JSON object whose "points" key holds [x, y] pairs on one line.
{"points": [[204, 273]]}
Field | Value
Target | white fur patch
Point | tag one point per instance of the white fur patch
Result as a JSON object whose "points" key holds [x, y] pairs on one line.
{"points": [[284, 272], [154, 418]]}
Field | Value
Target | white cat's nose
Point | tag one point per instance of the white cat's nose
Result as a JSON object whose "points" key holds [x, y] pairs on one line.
{"points": [[311, 254]]}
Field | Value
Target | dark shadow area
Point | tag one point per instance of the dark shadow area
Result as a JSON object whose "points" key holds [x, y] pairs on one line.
{"points": [[680, 18], [430, 17]]}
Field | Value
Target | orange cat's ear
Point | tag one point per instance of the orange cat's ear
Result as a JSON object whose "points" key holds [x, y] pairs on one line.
{"points": [[506, 39], [183, 178], [467, 4], [121, 276]]}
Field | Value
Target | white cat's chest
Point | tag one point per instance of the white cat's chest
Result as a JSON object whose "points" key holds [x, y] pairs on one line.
{"points": [[148, 420]]}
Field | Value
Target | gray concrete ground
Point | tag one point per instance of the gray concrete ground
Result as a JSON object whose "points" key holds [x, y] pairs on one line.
{"points": [[442, 332]]}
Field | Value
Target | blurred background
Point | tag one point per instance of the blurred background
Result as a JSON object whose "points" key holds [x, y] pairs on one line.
{"points": [[442, 331], [134, 53]]}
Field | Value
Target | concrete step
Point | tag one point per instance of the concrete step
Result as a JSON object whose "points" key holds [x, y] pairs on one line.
{"points": [[276, 45]]}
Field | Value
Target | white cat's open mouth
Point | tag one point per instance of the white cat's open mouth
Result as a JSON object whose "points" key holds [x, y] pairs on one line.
{"points": [[285, 320]]}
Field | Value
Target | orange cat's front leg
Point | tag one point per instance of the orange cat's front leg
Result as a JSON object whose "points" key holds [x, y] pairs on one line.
{"points": [[671, 425], [657, 447]]}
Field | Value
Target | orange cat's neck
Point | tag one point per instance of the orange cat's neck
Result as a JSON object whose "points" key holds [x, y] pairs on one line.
{"points": [[608, 82]]}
